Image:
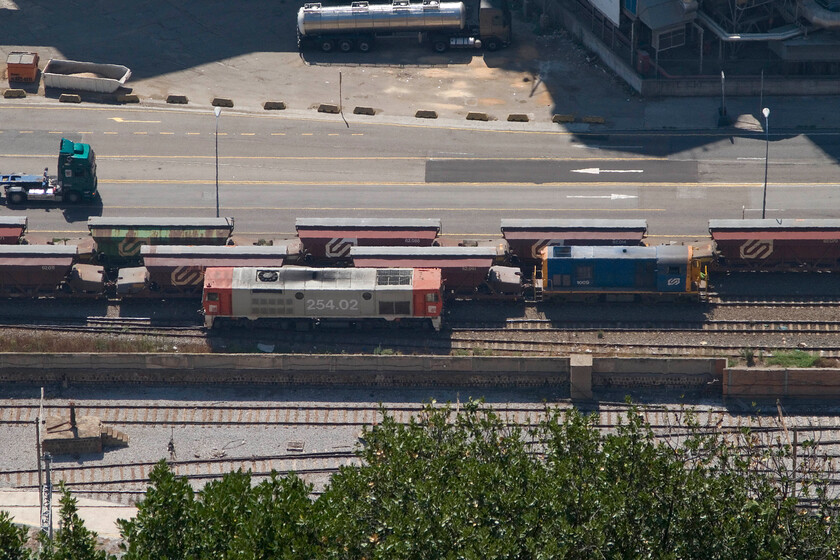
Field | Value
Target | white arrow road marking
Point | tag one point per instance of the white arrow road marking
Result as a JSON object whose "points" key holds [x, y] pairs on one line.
{"points": [[609, 196], [598, 170], [121, 120]]}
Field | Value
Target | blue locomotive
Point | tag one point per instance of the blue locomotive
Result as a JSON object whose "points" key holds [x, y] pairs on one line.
{"points": [[622, 273]]}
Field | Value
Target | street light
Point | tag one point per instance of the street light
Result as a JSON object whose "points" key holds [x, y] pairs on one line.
{"points": [[766, 113], [218, 111]]}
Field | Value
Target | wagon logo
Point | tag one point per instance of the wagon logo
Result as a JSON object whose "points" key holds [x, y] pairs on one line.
{"points": [[187, 276], [673, 281], [757, 249], [339, 247], [130, 247], [536, 248]]}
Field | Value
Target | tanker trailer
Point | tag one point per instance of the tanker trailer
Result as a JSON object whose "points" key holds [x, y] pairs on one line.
{"points": [[440, 24]]}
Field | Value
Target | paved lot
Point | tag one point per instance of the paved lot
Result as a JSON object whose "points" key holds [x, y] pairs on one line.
{"points": [[246, 51]]}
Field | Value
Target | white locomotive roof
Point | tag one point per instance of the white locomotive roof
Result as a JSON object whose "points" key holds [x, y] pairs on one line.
{"points": [[308, 279]]}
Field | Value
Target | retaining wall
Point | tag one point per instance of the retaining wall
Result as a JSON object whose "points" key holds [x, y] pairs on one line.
{"points": [[282, 369], [781, 382], [291, 369]]}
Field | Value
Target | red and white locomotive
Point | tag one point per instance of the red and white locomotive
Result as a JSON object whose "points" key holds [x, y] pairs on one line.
{"points": [[293, 295]]}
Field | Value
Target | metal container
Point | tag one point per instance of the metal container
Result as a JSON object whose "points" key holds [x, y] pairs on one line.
{"points": [[331, 238], [464, 270], [85, 76], [616, 270], [527, 238], [12, 229], [179, 270], [34, 270], [118, 240], [22, 66], [361, 17], [793, 245]]}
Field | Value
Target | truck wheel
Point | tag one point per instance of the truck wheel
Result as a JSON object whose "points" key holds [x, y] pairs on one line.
{"points": [[491, 44], [345, 45], [364, 45], [440, 46], [17, 198], [327, 45], [73, 197]]}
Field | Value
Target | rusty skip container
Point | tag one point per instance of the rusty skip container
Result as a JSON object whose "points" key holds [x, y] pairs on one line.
{"points": [[527, 238], [332, 238], [464, 270], [34, 270], [179, 270], [118, 240], [22, 66], [772, 244], [75, 75], [12, 229]]}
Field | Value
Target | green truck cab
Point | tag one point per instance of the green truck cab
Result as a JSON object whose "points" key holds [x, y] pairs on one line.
{"points": [[76, 180]]}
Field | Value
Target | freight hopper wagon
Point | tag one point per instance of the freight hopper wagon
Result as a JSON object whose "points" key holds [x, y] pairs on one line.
{"points": [[300, 297], [329, 240], [778, 245], [118, 240], [621, 273], [528, 238], [12, 229]]}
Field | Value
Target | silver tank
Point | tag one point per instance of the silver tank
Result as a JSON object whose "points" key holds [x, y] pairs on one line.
{"points": [[360, 17]]}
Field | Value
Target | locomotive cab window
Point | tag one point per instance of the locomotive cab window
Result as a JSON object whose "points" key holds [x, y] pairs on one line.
{"points": [[212, 296], [432, 297], [673, 270]]}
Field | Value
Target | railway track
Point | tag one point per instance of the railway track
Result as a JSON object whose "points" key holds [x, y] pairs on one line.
{"points": [[658, 417], [747, 326], [131, 479]]}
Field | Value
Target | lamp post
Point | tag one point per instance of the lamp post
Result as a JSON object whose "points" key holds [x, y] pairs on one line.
{"points": [[766, 113], [217, 111]]}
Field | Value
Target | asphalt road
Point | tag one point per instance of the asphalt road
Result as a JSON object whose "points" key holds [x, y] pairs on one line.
{"points": [[276, 168]]}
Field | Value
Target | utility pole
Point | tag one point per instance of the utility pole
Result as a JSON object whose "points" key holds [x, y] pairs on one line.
{"points": [[46, 504]]}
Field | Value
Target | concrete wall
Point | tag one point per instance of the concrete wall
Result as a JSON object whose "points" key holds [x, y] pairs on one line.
{"points": [[283, 369], [289, 369], [695, 373], [781, 382]]}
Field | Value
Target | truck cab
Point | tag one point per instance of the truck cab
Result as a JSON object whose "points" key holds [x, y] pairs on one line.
{"points": [[76, 180]]}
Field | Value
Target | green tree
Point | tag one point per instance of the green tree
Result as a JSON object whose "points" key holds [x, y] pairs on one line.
{"points": [[162, 528], [12, 539], [72, 541]]}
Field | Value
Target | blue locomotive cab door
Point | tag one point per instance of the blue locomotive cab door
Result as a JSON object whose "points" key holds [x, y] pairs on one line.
{"points": [[671, 278]]}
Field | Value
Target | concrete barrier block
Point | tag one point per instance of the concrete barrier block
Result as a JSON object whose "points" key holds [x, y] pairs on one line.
{"points": [[594, 120], [518, 117], [475, 116], [364, 111], [69, 98], [274, 105], [14, 93], [561, 119], [423, 114], [128, 98], [222, 102], [580, 377], [177, 99], [329, 108]]}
